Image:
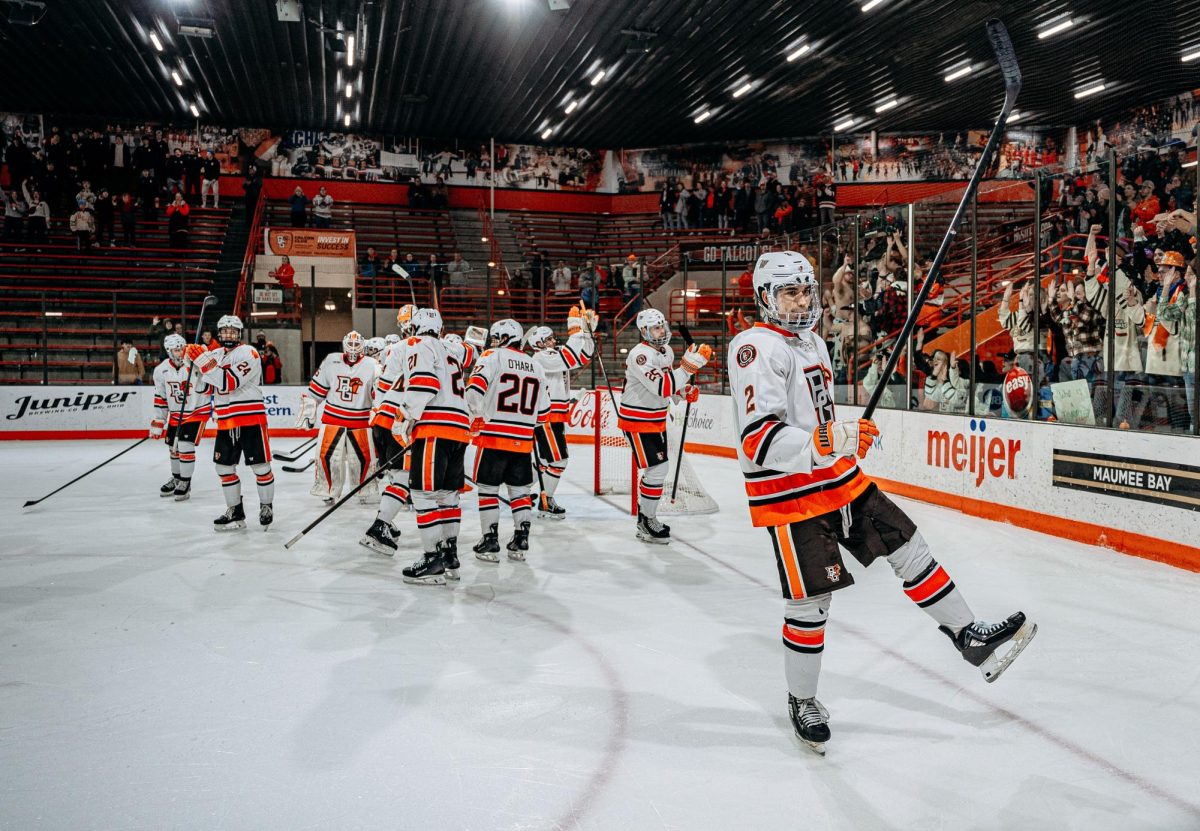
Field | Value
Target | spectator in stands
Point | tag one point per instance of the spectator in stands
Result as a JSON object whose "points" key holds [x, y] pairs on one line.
{"points": [[15, 209], [410, 264], [437, 272], [322, 209], [588, 279], [761, 214], [127, 210], [1019, 324], [682, 196], [1162, 318], [148, 195], [457, 270], [251, 187], [666, 206], [120, 165], [298, 204], [192, 163], [272, 364], [83, 226], [879, 358], [633, 270], [210, 180], [722, 204], [1083, 328], [159, 329], [743, 207], [539, 267], [371, 263], [560, 278], [284, 273], [131, 369], [177, 222], [439, 195], [1147, 208], [175, 171], [826, 200], [632, 296], [945, 388], [86, 195], [105, 210], [206, 337], [37, 225]]}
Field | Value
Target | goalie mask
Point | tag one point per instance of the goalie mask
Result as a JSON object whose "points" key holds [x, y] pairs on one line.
{"points": [[654, 327], [540, 337], [404, 320], [174, 345], [374, 346], [505, 332], [427, 322], [353, 346], [229, 331], [786, 290]]}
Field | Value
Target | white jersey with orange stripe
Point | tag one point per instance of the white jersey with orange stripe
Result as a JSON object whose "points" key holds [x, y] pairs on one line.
{"points": [[235, 384], [346, 388], [782, 388], [392, 371], [169, 379], [432, 393], [652, 381], [508, 391], [558, 362]]}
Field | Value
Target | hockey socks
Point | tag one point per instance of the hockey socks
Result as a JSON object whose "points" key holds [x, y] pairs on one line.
{"points": [[929, 586], [265, 480], [804, 639], [551, 475], [231, 485]]}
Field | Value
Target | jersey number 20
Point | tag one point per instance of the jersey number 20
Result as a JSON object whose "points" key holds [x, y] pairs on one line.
{"points": [[520, 396]]}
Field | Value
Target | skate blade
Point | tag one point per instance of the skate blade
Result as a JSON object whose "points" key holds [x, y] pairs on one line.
{"points": [[165, 495], [993, 667], [233, 526], [182, 497], [654, 540], [452, 574], [815, 747], [548, 515], [377, 547], [516, 556], [431, 580], [487, 557]]}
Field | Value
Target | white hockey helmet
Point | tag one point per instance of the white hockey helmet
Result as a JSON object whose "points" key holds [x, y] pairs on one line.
{"points": [[374, 346], [404, 319], [174, 345], [538, 337], [650, 319], [453, 337], [392, 338], [353, 345], [427, 322], [787, 271], [230, 323], [505, 332]]}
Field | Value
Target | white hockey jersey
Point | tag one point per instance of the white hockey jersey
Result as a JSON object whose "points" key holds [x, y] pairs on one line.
{"points": [[652, 381], [346, 388], [782, 388], [235, 384], [432, 392], [508, 390], [558, 363], [169, 379]]}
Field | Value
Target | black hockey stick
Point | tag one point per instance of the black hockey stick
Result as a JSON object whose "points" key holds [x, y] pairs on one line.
{"points": [[687, 413], [301, 469], [292, 456], [383, 468], [93, 470], [1007, 59], [209, 300]]}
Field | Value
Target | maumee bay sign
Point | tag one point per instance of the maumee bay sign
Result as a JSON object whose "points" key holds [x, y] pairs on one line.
{"points": [[1164, 483]]}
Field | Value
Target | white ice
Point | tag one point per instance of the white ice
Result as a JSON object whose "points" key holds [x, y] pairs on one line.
{"points": [[157, 675]]}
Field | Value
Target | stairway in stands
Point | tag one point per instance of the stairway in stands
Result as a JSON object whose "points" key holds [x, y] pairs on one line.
{"points": [[229, 266]]}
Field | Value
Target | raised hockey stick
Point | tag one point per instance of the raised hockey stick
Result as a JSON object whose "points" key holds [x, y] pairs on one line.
{"points": [[295, 454], [209, 300], [1007, 59], [386, 466], [687, 413]]}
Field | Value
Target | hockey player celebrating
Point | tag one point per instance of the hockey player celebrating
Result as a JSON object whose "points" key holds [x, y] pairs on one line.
{"points": [[345, 381], [391, 373], [232, 374], [431, 412], [508, 391], [170, 379], [373, 348], [805, 487], [558, 362], [652, 382]]}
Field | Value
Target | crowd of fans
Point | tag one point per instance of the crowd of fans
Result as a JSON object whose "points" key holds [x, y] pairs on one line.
{"points": [[768, 207]]}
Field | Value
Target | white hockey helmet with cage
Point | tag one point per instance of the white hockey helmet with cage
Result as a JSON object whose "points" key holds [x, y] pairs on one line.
{"points": [[779, 271], [174, 345], [649, 319], [230, 322], [505, 332], [404, 319], [452, 337], [374, 346], [353, 345], [538, 337], [427, 322], [392, 338]]}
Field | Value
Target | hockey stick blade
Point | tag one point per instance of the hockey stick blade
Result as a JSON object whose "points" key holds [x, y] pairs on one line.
{"points": [[1005, 56], [310, 463], [285, 456], [32, 502]]}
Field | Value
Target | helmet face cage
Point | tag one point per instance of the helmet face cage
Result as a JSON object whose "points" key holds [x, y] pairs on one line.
{"points": [[793, 321], [505, 332], [353, 345], [374, 346], [175, 344], [542, 337], [650, 319], [229, 331]]}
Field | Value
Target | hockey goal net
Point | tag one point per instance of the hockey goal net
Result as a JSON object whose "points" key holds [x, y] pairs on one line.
{"points": [[615, 472]]}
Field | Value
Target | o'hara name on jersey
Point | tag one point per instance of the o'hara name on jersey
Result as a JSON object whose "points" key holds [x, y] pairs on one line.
{"points": [[508, 391]]}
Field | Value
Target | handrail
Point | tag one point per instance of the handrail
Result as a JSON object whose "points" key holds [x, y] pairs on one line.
{"points": [[251, 255]]}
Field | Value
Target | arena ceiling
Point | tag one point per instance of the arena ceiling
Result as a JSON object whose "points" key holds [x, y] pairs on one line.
{"points": [[511, 68]]}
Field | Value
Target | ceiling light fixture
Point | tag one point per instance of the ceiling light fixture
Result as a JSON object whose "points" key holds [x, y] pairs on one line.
{"points": [[330, 306], [1191, 56], [175, 77], [158, 43], [704, 116], [547, 133], [800, 50], [743, 89], [195, 111], [598, 77], [1092, 90], [349, 50], [1015, 116], [346, 120], [349, 90], [866, 7], [845, 124], [890, 104], [1061, 26], [961, 72], [1192, 163], [571, 107]]}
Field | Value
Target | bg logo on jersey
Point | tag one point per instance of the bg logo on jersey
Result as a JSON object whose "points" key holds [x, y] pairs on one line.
{"points": [[974, 451]]}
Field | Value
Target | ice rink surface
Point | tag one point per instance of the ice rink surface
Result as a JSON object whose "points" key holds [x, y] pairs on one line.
{"points": [[157, 675]]}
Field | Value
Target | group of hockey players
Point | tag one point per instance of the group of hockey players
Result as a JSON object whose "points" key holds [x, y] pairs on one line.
{"points": [[443, 414]]}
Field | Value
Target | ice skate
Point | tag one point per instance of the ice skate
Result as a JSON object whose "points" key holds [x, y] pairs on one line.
{"points": [[979, 641], [380, 537], [488, 548], [549, 509], [649, 529], [427, 570], [519, 544], [183, 490], [449, 551], [265, 515], [810, 720], [169, 488], [233, 519]]}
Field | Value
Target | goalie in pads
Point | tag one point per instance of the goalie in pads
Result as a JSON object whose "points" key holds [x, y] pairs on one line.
{"points": [[805, 487]]}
